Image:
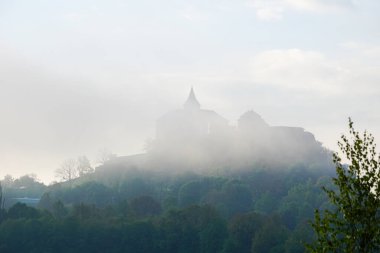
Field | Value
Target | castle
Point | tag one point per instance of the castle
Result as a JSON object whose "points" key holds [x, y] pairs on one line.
{"points": [[189, 123], [193, 137]]}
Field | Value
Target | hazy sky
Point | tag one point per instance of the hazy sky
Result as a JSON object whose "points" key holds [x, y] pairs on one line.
{"points": [[77, 76]]}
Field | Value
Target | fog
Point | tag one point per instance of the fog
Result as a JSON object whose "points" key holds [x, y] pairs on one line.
{"points": [[200, 140], [78, 77]]}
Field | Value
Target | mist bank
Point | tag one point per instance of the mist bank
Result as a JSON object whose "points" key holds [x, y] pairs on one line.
{"points": [[252, 187], [195, 142], [200, 140], [192, 141], [253, 144]]}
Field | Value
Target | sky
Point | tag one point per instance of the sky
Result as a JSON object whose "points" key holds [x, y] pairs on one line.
{"points": [[81, 76]]}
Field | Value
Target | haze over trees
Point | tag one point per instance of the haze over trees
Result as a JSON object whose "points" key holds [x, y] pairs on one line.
{"points": [[240, 164], [243, 211], [254, 190], [193, 138], [73, 168]]}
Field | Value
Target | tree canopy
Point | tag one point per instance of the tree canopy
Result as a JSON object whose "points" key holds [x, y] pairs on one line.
{"points": [[352, 224]]}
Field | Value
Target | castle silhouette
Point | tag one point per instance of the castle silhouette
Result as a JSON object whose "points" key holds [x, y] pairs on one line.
{"points": [[194, 138], [189, 123]]}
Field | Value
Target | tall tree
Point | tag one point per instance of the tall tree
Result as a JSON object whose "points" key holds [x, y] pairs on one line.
{"points": [[7, 181], [84, 166], [353, 224], [105, 155], [2, 201], [68, 170]]}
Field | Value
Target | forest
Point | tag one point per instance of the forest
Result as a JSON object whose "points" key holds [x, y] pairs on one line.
{"points": [[189, 126], [256, 208], [249, 210]]}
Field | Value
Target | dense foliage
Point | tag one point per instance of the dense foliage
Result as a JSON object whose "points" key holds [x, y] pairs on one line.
{"points": [[252, 210], [353, 224], [23, 188]]}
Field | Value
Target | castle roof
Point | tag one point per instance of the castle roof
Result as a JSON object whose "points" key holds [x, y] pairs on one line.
{"points": [[252, 120], [192, 102]]}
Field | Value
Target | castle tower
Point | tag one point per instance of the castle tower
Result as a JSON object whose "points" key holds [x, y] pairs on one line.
{"points": [[192, 102], [190, 123], [189, 137]]}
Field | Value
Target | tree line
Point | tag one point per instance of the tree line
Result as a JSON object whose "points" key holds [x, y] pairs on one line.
{"points": [[254, 210]]}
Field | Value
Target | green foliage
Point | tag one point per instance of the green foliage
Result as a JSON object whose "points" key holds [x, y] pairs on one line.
{"points": [[146, 211], [58, 210], [25, 186], [193, 229], [242, 230], [266, 203], [135, 187], [353, 225], [22, 211], [145, 206], [270, 238], [2, 211], [191, 193], [297, 238]]}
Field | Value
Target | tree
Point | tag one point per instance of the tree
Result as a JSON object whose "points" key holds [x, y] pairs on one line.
{"points": [[353, 224], [67, 171], [242, 229], [84, 166], [72, 168], [145, 206], [21, 210], [105, 155], [2, 201], [270, 238], [7, 181]]}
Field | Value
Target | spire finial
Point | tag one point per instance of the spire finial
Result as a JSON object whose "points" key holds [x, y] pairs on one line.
{"points": [[192, 102]]}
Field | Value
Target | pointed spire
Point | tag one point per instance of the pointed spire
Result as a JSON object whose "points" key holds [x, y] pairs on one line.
{"points": [[192, 102]]}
